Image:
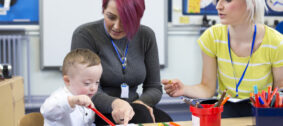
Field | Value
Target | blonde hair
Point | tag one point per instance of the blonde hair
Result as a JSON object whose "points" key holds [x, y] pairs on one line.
{"points": [[256, 10], [79, 56]]}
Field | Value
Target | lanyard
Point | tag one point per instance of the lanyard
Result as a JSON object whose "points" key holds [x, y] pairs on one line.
{"points": [[229, 47], [122, 59]]}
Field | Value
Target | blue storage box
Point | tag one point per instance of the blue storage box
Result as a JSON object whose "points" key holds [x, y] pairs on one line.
{"points": [[268, 116]]}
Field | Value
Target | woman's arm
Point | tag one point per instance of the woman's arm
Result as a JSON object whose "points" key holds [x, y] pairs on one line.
{"points": [[152, 89], [276, 60], [277, 77], [205, 89]]}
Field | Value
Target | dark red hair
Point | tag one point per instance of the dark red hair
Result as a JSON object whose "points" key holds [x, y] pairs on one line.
{"points": [[131, 12]]}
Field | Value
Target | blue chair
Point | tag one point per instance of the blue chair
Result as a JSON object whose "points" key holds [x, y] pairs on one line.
{"points": [[279, 27]]}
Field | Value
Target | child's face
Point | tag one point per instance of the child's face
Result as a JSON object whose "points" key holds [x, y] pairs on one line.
{"points": [[83, 80]]}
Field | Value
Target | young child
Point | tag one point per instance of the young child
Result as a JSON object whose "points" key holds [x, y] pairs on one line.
{"points": [[68, 106]]}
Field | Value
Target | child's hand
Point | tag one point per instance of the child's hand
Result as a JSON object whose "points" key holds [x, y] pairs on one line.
{"points": [[82, 100]]}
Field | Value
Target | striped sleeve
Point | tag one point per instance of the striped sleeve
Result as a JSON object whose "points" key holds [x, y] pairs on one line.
{"points": [[206, 43], [277, 59], [277, 56]]}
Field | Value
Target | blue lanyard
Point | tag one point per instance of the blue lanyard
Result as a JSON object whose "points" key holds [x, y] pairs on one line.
{"points": [[252, 48], [122, 60]]}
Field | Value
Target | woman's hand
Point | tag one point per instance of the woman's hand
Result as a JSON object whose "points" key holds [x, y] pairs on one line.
{"points": [[122, 111], [173, 87], [148, 107]]}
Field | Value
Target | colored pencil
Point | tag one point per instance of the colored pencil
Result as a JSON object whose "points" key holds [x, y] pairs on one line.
{"points": [[225, 100], [174, 124], [217, 104], [268, 93], [271, 96], [102, 116], [257, 104]]}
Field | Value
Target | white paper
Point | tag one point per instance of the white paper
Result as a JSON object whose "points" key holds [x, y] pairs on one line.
{"points": [[236, 100], [7, 4], [6, 7], [2, 12]]}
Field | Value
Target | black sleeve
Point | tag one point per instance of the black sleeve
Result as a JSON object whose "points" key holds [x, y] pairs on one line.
{"points": [[152, 89]]}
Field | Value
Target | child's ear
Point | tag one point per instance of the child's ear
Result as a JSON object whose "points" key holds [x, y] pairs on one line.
{"points": [[66, 80]]}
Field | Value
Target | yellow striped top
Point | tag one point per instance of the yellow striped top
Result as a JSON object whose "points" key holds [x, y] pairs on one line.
{"points": [[214, 43]]}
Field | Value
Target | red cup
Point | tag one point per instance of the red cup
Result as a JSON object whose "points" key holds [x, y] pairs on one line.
{"points": [[206, 116]]}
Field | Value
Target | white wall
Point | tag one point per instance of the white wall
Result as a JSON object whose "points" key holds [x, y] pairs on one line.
{"points": [[87, 11], [42, 82], [184, 57]]}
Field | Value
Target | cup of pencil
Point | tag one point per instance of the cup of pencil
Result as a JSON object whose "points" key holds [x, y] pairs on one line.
{"points": [[207, 114], [267, 107]]}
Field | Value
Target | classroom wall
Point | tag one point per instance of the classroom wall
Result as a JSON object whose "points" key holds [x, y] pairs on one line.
{"points": [[184, 62], [183, 55]]}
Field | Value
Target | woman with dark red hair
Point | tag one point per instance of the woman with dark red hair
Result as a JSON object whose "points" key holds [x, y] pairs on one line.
{"points": [[129, 58]]}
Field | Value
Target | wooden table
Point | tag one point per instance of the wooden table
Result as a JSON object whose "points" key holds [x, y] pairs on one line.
{"points": [[242, 121]]}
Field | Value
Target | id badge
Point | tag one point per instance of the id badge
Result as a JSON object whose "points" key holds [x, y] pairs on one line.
{"points": [[124, 90]]}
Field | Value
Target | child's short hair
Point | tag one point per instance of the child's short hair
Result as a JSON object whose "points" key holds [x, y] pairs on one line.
{"points": [[80, 56]]}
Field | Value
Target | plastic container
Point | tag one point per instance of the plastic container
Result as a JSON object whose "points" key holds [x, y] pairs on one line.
{"points": [[206, 116], [268, 116]]}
